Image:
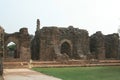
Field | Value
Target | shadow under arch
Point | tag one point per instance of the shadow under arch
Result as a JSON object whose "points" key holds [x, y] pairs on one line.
{"points": [[66, 47]]}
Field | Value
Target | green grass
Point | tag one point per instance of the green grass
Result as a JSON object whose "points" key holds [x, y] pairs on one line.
{"points": [[83, 73]]}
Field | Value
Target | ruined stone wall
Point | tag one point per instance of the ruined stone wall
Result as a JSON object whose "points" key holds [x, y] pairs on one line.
{"points": [[57, 42], [112, 45], [97, 45], [22, 40], [35, 46], [24, 44], [48, 39], [104, 46], [53, 43], [79, 39]]}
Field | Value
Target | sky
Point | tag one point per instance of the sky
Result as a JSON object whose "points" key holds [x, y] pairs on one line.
{"points": [[92, 15]]}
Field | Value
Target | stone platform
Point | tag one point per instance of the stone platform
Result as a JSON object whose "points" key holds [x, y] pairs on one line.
{"points": [[70, 63]]}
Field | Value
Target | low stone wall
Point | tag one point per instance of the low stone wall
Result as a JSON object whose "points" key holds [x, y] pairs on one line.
{"points": [[71, 63]]}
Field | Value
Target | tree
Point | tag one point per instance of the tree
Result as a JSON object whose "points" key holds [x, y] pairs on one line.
{"points": [[12, 47]]}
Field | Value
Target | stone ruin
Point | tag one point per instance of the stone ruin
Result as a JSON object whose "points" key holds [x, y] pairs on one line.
{"points": [[57, 43], [104, 46], [51, 43], [22, 41]]}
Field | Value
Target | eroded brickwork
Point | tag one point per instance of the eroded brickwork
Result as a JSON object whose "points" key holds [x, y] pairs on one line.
{"points": [[54, 43], [62, 44], [22, 41], [104, 46]]}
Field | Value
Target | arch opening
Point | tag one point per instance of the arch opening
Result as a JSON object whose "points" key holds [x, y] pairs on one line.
{"points": [[66, 49], [12, 50]]}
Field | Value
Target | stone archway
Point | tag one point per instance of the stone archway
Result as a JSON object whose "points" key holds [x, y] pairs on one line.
{"points": [[12, 53], [66, 48], [22, 41], [12, 50]]}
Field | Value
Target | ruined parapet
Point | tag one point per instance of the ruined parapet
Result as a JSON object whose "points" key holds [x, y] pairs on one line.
{"points": [[97, 45], [112, 46]]}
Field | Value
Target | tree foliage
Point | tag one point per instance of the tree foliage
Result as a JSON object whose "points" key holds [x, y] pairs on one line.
{"points": [[12, 47]]}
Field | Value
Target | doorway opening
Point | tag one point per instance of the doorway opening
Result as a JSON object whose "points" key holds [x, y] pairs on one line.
{"points": [[12, 50], [66, 49]]}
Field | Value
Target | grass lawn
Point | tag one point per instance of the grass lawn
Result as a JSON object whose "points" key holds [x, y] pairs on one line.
{"points": [[83, 73]]}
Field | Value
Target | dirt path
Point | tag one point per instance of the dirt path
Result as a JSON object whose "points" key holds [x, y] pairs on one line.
{"points": [[25, 74]]}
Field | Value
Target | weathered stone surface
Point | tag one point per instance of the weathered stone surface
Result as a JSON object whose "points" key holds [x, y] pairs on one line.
{"points": [[61, 44], [1, 41], [97, 45], [104, 46], [51, 43], [112, 46], [54, 42], [35, 46], [1, 51], [22, 41]]}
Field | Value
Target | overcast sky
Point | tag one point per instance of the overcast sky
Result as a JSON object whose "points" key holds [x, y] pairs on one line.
{"points": [[92, 15]]}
